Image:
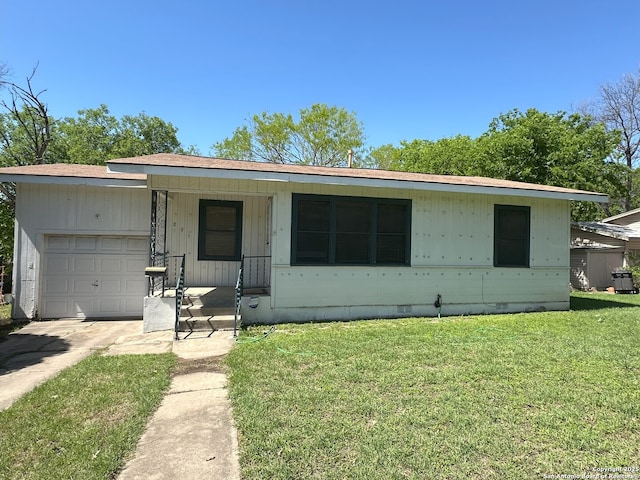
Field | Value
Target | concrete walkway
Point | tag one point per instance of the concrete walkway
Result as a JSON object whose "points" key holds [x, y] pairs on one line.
{"points": [[190, 436]]}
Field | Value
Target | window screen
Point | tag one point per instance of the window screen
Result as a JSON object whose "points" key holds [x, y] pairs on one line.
{"points": [[332, 230], [511, 236], [220, 230]]}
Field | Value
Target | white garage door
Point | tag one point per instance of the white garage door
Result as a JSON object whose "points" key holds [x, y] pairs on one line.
{"points": [[93, 276]]}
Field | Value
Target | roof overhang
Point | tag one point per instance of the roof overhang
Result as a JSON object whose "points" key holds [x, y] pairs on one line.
{"points": [[71, 174], [187, 166], [607, 230]]}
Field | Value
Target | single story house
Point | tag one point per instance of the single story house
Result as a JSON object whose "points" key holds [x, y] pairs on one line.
{"points": [[600, 248], [319, 243]]}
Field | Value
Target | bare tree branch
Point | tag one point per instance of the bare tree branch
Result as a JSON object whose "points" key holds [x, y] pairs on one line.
{"points": [[618, 107], [31, 115]]}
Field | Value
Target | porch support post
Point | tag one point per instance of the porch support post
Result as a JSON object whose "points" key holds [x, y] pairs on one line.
{"points": [[158, 233]]}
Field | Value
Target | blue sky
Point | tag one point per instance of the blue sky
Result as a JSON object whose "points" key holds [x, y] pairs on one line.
{"points": [[408, 69]]}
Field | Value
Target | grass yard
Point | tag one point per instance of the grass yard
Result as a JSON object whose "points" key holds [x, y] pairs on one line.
{"points": [[502, 396], [6, 325], [83, 423]]}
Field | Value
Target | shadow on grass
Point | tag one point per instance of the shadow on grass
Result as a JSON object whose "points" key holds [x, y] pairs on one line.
{"points": [[598, 303]]}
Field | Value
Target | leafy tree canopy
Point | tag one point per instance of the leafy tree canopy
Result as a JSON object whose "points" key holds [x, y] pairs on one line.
{"points": [[96, 136], [322, 135], [565, 150]]}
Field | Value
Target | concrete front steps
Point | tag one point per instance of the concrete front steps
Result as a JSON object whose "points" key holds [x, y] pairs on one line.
{"points": [[207, 309]]}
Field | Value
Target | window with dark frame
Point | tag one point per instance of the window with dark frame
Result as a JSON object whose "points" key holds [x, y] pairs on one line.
{"points": [[220, 230], [336, 230], [511, 236]]}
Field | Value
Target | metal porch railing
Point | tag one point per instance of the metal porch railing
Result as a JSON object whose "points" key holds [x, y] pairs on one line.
{"points": [[238, 297], [179, 293]]}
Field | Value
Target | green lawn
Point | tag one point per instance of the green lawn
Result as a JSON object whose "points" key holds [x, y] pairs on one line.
{"points": [[83, 423], [6, 324], [503, 396]]}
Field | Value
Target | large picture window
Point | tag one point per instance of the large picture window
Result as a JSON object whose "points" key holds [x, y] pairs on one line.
{"points": [[511, 236], [220, 230], [332, 230]]}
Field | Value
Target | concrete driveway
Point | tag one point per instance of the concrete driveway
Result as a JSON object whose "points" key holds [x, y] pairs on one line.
{"points": [[40, 350], [190, 436]]}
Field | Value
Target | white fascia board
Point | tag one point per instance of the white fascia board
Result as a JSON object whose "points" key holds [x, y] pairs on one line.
{"points": [[350, 181], [54, 180]]}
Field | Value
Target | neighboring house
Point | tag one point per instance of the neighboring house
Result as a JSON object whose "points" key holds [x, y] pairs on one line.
{"points": [[320, 243], [600, 248]]}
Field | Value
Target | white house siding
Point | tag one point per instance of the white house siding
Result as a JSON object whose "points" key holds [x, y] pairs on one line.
{"points": [[451, 255], [185, 194], [182, 236], [68, 209]]}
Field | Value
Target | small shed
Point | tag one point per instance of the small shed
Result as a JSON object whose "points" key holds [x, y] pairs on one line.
{"points": [[600, 248]]}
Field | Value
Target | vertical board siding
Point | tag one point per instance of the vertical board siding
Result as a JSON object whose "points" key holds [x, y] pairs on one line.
{"points": [[578, 275], [600, 265], [73, 209], [451, 241], [182, 236]]}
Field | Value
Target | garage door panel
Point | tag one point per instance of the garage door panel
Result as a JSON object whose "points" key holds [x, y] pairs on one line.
{"points": [[82, 286], [111, 244], [138, 245], [57, 243], [58, 264], [110, 306], [83, 264], [52, 286], [81, 306], [85, 243], [113, 286], [86, 277], [56, 308], [112, 264]]}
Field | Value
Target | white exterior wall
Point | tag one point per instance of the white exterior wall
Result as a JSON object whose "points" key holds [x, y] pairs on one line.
{"points": [[451, 255], [182, 236], [68, 209]]}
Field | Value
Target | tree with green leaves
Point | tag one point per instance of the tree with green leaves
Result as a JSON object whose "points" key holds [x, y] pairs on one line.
{"points": [[447, 156], [96, 136], [30, 135], [322, 136], [565, 150]]}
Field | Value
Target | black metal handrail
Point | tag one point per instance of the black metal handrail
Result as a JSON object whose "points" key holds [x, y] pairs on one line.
{"points": [[238, 297], [179, 292]]}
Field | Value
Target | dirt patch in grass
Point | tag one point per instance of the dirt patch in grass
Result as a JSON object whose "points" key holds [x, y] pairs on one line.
{"points": [[216, 364]]}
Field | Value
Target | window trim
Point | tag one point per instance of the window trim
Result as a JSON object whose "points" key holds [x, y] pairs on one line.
{"points": [[526, 238], [373, 233], [202, 221]]}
